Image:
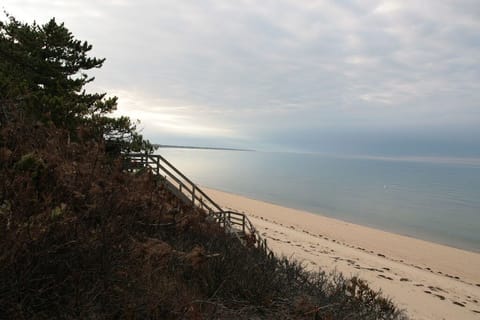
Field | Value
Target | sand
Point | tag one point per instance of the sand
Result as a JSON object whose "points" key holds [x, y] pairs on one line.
{"points": [[427, 280]]}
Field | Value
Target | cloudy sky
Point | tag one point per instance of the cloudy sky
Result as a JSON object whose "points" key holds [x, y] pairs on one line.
{"points": [[349, 76]]}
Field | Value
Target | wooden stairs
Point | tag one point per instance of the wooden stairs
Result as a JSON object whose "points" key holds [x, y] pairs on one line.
{"points": [[235, 223]]}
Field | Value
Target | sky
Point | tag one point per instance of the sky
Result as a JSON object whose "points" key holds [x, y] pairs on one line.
{"points": [[346, 76]]}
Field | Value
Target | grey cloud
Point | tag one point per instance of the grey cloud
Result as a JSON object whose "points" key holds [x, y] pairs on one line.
{"points": [[280, 66]]}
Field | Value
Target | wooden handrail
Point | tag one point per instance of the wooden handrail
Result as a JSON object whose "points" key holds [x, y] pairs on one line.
{"points": [[195, 195], [178, 172]]}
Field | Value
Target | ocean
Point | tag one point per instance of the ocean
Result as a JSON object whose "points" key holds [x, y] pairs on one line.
{"points": [[431, 200]]}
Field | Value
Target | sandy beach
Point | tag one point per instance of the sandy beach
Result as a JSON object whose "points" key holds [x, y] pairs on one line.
{"points": [[428, 280]]}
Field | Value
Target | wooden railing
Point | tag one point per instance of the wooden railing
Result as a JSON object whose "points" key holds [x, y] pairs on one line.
{"points": [[234, 222]]}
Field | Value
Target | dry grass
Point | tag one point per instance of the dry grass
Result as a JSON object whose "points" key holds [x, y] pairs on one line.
{"points": [[79, 238]]}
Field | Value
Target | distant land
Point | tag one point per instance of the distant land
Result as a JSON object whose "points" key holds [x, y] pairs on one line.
{"points": [[199, 147]]}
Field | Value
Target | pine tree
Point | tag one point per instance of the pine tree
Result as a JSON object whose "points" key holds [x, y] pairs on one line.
{"points": [[43, 73]]}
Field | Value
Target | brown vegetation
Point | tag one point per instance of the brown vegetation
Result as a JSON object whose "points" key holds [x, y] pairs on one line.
{"points": [[80, 238]]}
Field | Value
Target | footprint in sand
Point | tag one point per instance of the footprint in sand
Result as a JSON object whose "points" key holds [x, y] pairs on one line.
{"points": [[384, 277], [436, 295], [436, 289]]}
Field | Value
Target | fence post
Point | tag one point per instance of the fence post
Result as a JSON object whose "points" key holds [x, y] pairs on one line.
{"points": [[243, 223], [193, 195]]}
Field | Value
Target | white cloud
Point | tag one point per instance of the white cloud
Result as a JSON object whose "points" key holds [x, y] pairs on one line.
{"points": [[388, 7], [169, 116]]}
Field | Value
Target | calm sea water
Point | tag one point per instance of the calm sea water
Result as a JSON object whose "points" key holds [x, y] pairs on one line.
{"points": [[431, 201]]}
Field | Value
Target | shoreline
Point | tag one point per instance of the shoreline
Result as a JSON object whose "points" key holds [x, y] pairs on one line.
{"points": [[366, 225], [428, 280]]}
